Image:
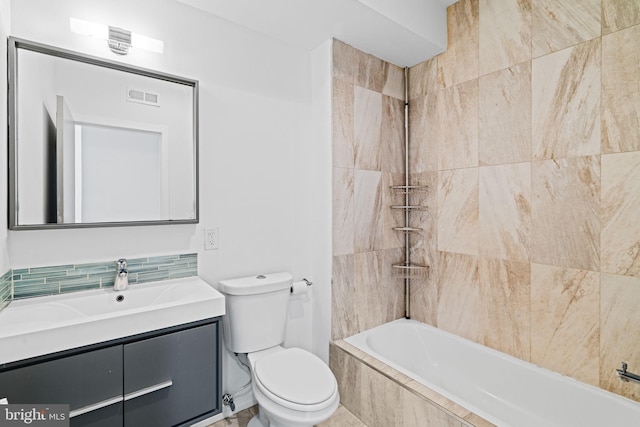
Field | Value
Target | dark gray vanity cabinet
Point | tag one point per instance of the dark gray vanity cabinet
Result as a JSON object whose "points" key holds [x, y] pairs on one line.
{"points": [[164, 378]]}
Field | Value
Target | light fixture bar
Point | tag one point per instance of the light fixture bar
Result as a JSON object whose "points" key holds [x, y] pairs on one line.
{"points": [[87, 28], [138, 41]]}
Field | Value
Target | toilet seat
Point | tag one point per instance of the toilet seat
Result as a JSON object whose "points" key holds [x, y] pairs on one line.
{"points": [[296, 379]]}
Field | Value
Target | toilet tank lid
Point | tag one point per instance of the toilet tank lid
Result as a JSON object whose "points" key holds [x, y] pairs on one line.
{"points": [[259, 284]]}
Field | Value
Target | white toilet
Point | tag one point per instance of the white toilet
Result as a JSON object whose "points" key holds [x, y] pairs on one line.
{"points": [[293, 387]]}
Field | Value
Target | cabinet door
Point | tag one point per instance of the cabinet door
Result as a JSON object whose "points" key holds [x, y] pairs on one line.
{"points": [[172, 378], [108, 416], [88, 380]]}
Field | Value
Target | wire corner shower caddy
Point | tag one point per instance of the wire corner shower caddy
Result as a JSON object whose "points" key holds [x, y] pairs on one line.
{"points": [[411, 198]]}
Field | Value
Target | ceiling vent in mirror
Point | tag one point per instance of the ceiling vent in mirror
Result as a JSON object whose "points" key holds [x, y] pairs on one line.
{"points": [[142, 97]]}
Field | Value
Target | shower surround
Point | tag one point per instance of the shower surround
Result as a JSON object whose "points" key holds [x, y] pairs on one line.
{"points": [[527, 130]]}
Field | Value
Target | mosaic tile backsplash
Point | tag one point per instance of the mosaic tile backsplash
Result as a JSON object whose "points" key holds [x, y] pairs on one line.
{"points": [[40, 281], [5, 289]]}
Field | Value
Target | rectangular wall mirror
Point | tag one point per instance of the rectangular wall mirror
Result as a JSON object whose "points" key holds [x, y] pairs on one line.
{"points": [[96, 143]]}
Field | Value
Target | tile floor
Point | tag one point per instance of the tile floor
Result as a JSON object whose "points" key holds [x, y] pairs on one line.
{"points": [[342, 418]]}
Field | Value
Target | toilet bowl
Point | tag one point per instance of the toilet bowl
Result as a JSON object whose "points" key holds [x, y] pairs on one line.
{"points": [[293, 387]]}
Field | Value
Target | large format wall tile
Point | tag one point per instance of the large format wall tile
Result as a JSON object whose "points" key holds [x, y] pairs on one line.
{"points": [[505, 34], [377, 75], [344, 298], [389, 218], [342, 129], [620, 235], [566, 212], [369, 71], [423, 78], [557, 24], [566, 102], [460, 307], [343, 61], [427, 219], [619, 14], [423, 135], [368, 205], [380, 295], [424, 291], [394, 82], [367, 128], [418, 412], [505, 289], [505, 116], [505, 211], [392, 139], [457, 126], [458, 211], [459, 63], [620, 323], [564, 310], [343, 225], [347, 370], [621, 91], [379, 399]]}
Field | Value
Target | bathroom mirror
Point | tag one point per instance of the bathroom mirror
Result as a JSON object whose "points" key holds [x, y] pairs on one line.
{"points": [[96, 143]]}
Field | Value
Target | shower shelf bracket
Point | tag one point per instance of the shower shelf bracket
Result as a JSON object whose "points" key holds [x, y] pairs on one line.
{"points": [[411, 271]]}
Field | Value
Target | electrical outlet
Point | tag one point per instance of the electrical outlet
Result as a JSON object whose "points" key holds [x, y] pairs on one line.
{"points": [[211, 238]]}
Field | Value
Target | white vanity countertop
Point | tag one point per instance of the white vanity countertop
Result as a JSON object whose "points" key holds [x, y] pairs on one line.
{"points": [[42, 325]]}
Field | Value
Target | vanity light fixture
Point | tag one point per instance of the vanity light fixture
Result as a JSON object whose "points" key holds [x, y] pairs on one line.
{"points": [[119, 40]]}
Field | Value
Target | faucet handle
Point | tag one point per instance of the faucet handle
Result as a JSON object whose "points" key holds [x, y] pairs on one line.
{"points": [[122, 264]]}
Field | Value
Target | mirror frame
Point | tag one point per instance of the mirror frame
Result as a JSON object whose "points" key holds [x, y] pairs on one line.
{"points": [[14, 44]]}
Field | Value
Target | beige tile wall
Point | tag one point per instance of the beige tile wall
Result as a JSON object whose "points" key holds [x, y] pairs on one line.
{"points": [[527, 129], [368, 157]]}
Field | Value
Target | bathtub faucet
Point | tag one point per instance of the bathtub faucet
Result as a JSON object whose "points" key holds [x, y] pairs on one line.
{"points": [[627, 376], [122, 276]]}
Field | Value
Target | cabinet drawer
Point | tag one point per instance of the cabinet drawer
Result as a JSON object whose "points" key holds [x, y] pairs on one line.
{"points": [[171, 378], [109, 416], [80, 380]]}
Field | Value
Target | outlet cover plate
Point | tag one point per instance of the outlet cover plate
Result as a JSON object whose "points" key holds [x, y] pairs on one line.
{"points": [[211, 237]]}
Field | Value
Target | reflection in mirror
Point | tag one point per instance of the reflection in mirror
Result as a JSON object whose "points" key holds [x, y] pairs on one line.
{"points": [[98, 143]]}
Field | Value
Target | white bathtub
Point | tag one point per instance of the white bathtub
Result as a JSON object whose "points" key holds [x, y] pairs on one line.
{"points": [[500, 388]]}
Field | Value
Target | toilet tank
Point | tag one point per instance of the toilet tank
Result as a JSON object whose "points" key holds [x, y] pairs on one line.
{"points": [[256, 313]]}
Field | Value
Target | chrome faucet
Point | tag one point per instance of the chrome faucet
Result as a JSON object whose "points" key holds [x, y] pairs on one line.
{"points": [[122, 276]]}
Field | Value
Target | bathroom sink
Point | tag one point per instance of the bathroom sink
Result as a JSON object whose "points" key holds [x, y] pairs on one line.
{"points": [[136, 298], [38, 316], [42, 325]]}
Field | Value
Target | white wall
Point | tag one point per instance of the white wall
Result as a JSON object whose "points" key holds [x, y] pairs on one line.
{"points": [[258, 170], [320, 164], [5, 26]]}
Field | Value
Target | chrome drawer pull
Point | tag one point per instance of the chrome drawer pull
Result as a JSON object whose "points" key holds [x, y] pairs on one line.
{"points": [[147, 390], [95, 406]]}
